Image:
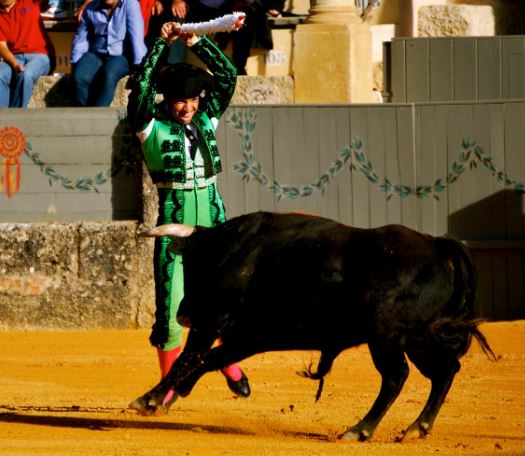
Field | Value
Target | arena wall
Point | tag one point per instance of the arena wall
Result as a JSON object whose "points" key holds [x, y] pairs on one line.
{"points": [[74, 192]]}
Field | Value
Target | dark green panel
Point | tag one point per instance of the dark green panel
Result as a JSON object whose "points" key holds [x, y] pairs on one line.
{"points": [[513, 67], [465, 69], [440, 73], [398, 71], [489, 69], [417, 70], [514, 167]]}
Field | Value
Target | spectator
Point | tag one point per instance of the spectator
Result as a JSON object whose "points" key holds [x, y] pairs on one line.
{"points": [[26, 51], [56, 9], [255, 32], [158, 12], [108, 45], [149, 8], [183, 11]]}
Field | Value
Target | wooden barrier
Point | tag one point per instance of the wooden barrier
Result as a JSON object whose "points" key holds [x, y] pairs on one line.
{"points": [[453, 168]]}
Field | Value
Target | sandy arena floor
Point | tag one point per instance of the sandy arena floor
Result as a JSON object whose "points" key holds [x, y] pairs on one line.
{"points": [[65, 393]]}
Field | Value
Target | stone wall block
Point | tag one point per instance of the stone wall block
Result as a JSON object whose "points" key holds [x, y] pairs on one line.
{"points": [[75, 276], [38, 248], [264, 90], [105, 252], [456, 20], [55, 91]]}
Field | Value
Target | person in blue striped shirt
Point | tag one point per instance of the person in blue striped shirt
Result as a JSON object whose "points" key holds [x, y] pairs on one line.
{"points": [[108, 45]]}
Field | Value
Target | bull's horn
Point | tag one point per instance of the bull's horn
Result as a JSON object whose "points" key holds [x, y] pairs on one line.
{"points": [[172, 229]]}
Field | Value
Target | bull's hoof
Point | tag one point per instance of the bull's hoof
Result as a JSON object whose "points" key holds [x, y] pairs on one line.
{"points": [[144, 406], [147, 405], [414, 432], [355, 435], [240, 387]]}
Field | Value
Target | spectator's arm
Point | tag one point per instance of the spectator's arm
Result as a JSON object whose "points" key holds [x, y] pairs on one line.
{"points": [[224, 74], [80, 10], [141, 101], [9, 57], [135, 32], [80, 43], [275, 5]]}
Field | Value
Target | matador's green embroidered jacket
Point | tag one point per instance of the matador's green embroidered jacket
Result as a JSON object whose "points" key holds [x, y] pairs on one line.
{"points": [[164, 149], [157, 129]]}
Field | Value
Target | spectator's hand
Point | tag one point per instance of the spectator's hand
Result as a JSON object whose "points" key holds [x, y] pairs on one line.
{"points": [[133, 73], [158, 8], [18, 68], [78, 12], [179, 8]]}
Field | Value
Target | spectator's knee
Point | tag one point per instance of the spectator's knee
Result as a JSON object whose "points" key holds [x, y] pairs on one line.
{"points": [[79, 77], [5, 77], [26, 76], [113, 79]]}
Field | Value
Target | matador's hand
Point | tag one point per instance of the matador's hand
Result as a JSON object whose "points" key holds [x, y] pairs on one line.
{"points": [[170, 31]]}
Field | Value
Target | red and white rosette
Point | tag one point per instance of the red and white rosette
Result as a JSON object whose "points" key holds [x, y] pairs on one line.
{"points": [[12, 145]]}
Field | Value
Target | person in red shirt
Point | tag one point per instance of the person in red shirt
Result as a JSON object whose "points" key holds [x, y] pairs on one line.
{"points": [[25, 49]]}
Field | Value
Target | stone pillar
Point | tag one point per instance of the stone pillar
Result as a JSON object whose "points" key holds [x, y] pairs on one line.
{"points": [[333, 55]]}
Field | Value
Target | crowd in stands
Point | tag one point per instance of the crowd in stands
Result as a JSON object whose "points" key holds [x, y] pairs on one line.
{"points": [[111, 39]]}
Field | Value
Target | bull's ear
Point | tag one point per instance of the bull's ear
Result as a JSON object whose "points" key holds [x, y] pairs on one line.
{"points": [[174, 230]]}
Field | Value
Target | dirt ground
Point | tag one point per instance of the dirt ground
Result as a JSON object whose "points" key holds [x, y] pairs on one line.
{"points": [[65, 393]]}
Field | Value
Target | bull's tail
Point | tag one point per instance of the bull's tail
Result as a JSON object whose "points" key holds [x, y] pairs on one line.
{"points": [[324, 366], [461, 303], [478, 335], [455, 334], [458, 324]]}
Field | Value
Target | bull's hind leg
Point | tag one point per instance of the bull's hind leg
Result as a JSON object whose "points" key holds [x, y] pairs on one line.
{"points": [[440, 368], [393, 367]]}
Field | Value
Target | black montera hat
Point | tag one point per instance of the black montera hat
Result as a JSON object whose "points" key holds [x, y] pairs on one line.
{"points": [[182, 80]]}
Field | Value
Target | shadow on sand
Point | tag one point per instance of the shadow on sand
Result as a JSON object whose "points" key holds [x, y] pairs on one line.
{"points": [[132, 421]]}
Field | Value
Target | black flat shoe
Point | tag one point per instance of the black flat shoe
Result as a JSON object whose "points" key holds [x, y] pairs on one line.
{"points": [[240, 387]]}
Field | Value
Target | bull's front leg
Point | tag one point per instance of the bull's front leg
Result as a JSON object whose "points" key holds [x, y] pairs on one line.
{"points": [[181, 379]]}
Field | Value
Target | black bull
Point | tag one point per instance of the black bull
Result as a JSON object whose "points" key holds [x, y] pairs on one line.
{"points": [[264, 282]]}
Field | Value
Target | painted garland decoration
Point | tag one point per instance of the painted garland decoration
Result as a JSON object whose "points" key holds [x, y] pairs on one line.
{"points": [[127, 159], [472, 154], [12, 145]]}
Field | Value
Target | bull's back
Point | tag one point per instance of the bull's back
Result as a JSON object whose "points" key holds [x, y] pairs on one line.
{"points": [[313, 278]]}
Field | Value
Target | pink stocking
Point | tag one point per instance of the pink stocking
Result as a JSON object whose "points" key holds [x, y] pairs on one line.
{"points": [[167, 358], [233, 372]]}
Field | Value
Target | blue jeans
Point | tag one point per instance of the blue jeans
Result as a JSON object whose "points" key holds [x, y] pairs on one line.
{"points": [[95, 78], [16, 88], [57, 4], [62, 4]]}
